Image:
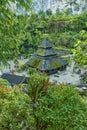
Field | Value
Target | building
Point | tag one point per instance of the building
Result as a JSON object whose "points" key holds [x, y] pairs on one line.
{"points": [[46, 59], [14, 79]]}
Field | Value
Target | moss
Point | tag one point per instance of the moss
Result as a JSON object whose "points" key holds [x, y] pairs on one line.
{"points": [[50, 64], [35, 62], [55, 65], [40, 52]]}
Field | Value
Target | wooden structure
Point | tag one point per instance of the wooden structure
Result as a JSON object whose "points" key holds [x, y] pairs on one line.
{"points": [[14, 79], [46, 59]]}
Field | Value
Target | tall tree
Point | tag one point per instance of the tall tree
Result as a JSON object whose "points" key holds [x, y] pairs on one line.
{"points": [[71, 4], [80, 51], [11, 28]]}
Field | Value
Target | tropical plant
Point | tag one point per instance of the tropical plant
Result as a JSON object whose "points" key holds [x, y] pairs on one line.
{"points": [[49, 12], [15, 110], [80, 51], [42, 105], [61, 109], [58, 12], [11, 28], [4, 82]]}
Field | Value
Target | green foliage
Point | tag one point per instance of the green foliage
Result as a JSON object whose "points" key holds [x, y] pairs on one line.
{"points": [[38, 86], [31, 71], [4, 82], [23, 67], [68, 11], [49, 12], [4, 90], [11, 29], [56, 107], [23, 34], [62, 108], [58, 11], [57, 28], [68, 39], [76, 7], [80, 51], [15, 111], [42, 105], [41, 14]]}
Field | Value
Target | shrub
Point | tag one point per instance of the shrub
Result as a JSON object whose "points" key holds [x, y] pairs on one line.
{"points": [[43, 106], [62, 108]]}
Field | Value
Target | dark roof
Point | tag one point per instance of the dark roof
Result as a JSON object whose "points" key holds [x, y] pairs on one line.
{"points": [[46, 58], [46, 52], [14, 79], [46, 64], [34, 61], [49, 65], [45, 44]]}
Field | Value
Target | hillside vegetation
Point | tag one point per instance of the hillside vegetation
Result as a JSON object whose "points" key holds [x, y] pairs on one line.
{"points": [[42, 106], [39, 104]]}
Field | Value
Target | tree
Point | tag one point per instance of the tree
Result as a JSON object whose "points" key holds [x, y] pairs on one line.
{"points": [[41, 13], [80, 51], [71, 4], [68, 11], [11, 28], [49, 12], [42, 105], [56, 107], [61, 109], [15, 110], [58, 11], [77, 7]]}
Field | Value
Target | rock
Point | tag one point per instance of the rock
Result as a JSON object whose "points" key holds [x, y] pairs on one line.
{"points": [[84, 88], [78, 71]]}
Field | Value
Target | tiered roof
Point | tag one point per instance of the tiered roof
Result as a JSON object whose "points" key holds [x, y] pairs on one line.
{"points": [[45, 44], [46, 59]]}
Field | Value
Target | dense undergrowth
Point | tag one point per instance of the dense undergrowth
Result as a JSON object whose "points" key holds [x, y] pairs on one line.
{"points": [[62, 30], [41, 105]]}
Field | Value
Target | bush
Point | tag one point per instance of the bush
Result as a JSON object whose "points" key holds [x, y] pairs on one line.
{"points": [[62, 108], [15, 111], [43, 106]]}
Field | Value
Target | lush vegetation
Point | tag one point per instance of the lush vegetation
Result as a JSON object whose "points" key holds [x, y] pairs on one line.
{"points": [[63, 31], [11, 28], [21, 34], [42, 106]]}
